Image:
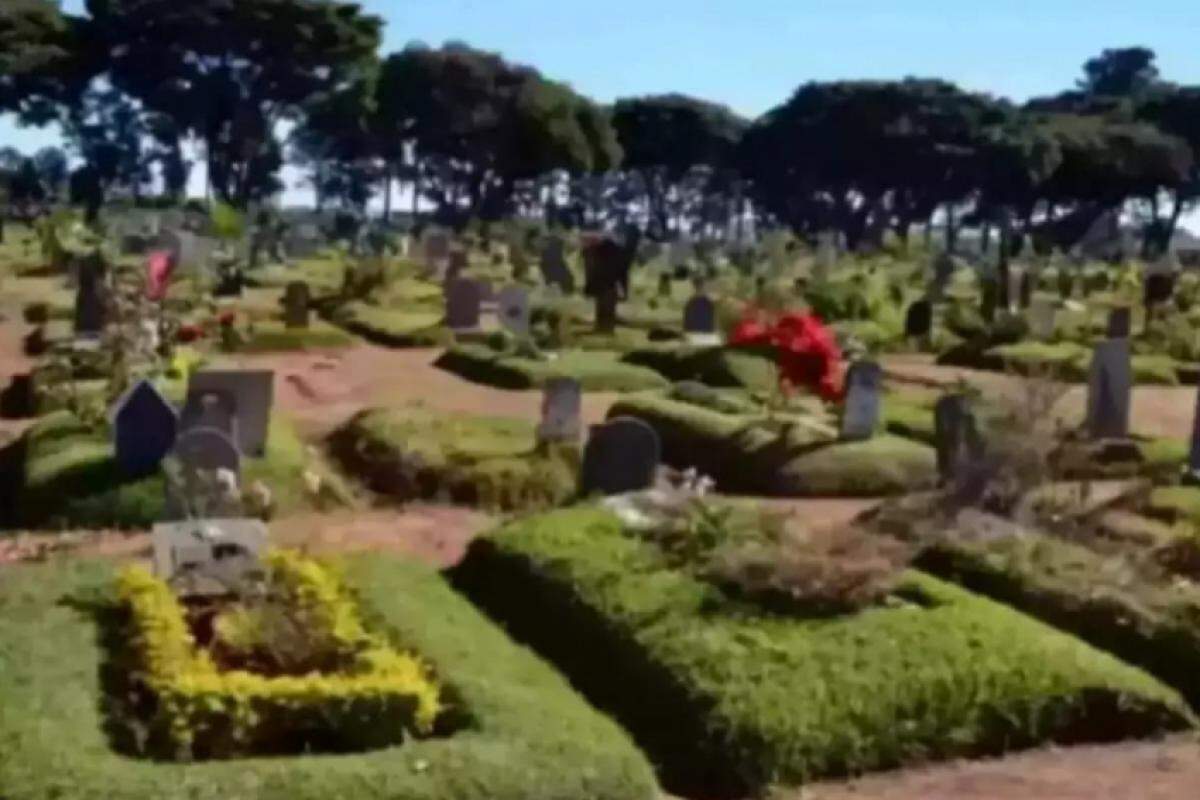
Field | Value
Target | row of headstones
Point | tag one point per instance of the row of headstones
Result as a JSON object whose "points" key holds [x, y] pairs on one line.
{"points": [[225, 416], [445, 260]]}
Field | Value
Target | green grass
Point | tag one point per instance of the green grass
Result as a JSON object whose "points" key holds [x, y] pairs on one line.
{"points": [[744, 455], [728, 698], [716, 366], [1150, 621], [1175, 503], [909, 418], [414, 452], [70, 478], [393, 327], [596, 371], [527, 734]]}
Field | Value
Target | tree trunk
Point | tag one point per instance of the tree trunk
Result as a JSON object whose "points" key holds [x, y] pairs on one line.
{"points": [[387, 194]]}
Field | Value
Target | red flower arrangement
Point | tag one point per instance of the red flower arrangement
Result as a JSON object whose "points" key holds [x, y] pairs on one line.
{"points": [[190, 333], [807, 354]]}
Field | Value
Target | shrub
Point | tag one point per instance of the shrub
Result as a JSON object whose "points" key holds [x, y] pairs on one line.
{"points": [[728, 698], [378, 698]]}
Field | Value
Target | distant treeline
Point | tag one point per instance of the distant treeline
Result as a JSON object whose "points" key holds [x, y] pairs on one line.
{"points": [[133, 82]]}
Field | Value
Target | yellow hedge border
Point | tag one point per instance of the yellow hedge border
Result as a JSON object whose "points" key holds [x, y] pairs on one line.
{"points": [[384, 697]]}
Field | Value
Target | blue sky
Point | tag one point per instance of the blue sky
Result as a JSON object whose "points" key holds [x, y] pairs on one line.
{"points": [[750, 54]]}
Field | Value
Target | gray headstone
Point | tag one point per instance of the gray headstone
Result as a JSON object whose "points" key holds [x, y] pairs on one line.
{"points": [[208, 557], [253, 393], [295, 305], [554, 265], [956, 436], [1042, 314], [144, 429], [207, 449], [462, 305], [1110, 387], [700, 315], [562, 406], [458, 264], [622, 455], [436, 250], [513, 309], [195, 252], [1120, 322], [860, 414]]}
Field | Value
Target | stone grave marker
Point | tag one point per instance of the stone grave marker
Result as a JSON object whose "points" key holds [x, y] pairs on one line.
{"points": [[562, 407], [513, 309], [860, 413], [91, 311], [554, 265], [956, 437], [700, 315], [1120, 321], [989, 298], [459, 263], [622, 455], [1042, 315], [436, 251], [144, 428], [463, 301], [295, 305], [1110, 386], [1025, 283], [252, 392], [1158, 288], [943, 271], [918, 322], [215, 410], [208, 556]]}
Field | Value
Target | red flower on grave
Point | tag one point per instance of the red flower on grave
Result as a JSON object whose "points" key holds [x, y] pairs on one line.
{"points": [[806, 352], [190, 333], [226, 319], [159, 266]]}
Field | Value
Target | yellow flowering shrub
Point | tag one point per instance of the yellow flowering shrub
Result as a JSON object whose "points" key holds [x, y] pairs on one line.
{"points": [[200, 711]]}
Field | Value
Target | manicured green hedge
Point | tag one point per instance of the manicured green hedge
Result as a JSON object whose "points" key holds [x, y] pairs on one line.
{"points": [[597, 371], [717, 366], [1067, 361], [728, 698], [743, 455], [1153, 624], [274, 337], [415, 452], [70, 478], [527, 734], [391, 327]]}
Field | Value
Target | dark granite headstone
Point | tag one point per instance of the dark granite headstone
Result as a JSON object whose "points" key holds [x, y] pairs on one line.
{"points": [[989, 298], [295, 305], [144, 430], [860, 413], [91, 310], [1158, 288], [622, 455], [1120, 322], [1110, 387], [554, 265], [918, 322], [700, 315]]}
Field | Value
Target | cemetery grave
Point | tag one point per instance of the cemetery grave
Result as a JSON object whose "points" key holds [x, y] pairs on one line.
{"points": [[731, 683]]}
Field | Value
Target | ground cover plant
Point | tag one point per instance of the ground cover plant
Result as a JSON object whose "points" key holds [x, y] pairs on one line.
{"points": [[523, 732], [728, 694], [415, 452]]}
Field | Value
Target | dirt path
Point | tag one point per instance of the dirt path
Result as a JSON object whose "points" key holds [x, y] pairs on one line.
{"points": [[1138, 771], [1157, 410], [435, 535], [321, 390]]}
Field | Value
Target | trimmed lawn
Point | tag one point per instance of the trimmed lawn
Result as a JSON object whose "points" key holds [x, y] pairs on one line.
{"points": [[596, 370]]}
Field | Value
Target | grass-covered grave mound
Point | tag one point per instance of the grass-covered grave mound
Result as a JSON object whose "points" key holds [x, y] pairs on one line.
{"points": [[596, 370], [66, 475], [519, 731], [729, 695], [414, 452], [795, 454]]}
